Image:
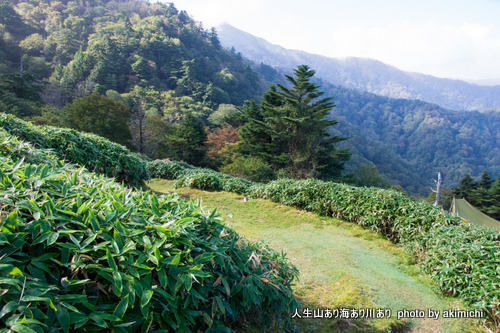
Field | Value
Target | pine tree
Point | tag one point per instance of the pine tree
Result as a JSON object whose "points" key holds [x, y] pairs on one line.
{"points": [[256, 137], [192, 137], [465, 188], [298, 120], [486, 180]]}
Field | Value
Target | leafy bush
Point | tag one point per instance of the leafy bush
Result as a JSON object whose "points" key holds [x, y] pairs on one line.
{"points": [[463, 260], [201, 178], [204, 180], [82, 253], [251, 168], [167, 170], [92, 151]]}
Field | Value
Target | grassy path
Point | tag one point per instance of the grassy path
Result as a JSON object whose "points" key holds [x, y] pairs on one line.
{"points": [[341, 265]]}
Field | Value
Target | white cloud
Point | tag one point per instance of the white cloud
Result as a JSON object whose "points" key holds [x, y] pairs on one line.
{"points": [[426, 36], [215, 12], [465, 51]]}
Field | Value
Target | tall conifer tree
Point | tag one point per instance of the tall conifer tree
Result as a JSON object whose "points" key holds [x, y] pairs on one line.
{"points": [[296, 123]]}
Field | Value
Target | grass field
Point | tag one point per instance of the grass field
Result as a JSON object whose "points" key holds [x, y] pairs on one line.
{"points": [[341, 265]]}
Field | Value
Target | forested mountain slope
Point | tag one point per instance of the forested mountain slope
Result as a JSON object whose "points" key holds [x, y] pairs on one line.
{"points": [[366, 74], [164, 65], [121, 46], [403, 137], [410, 141]]}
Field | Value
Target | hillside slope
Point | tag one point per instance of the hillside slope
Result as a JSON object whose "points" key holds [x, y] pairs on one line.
{"points": [[409, 141], [366, 74]]}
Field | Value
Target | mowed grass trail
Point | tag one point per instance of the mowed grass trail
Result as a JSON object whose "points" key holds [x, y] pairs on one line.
{"points": [[341, 265]]}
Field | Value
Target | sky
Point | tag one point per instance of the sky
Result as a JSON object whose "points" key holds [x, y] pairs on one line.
{"points": [[444, 38]]}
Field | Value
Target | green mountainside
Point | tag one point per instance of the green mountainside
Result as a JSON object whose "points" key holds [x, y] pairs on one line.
{"points": [[366, 74], [409, 141], [176, 78], [121, 47]]}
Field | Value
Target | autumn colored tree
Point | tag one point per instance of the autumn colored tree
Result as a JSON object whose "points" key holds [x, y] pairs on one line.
{"points": [[217, 140]]}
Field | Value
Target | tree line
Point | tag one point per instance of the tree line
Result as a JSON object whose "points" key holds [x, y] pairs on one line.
{"points": [[483, 194]]}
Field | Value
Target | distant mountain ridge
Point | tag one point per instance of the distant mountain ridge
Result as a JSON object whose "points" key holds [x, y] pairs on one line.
{"points": [[409, 141], [366, 74]]}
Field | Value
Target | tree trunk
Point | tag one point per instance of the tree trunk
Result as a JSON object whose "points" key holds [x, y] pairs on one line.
{"points": [[438, 191]]}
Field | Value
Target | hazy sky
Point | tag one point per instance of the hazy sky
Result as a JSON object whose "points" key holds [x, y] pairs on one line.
{"points": [[444, 38]]}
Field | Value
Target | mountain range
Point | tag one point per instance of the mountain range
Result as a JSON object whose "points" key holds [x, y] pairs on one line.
{"points": [[410, 137], [366, 74]]}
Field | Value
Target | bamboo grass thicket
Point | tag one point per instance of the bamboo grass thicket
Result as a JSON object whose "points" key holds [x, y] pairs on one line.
{"points": [[461, 259]]}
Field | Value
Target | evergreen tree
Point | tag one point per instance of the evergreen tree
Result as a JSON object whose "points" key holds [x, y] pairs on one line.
{"points": [[188, 83], [190, 140], [296, 122], [76, 71], [256, 137], [486, 181], [465, 188], [494, 209]]}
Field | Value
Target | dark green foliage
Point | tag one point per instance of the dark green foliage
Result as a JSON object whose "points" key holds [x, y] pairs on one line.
{"points": [[369, 176], [256, 135], [191, 136], [267, 72], [25, 87], [289, 130], [13, 22], [100, 115], [494, 210], [20, 95], [466, 186], [82, 253], [94, 152], [486, 180]]}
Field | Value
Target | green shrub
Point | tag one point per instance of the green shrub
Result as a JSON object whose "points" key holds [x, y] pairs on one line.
{"points": [[463, 260], [250, 168], [82, 253], [201, 178], [167, 170], [92, 151]]}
